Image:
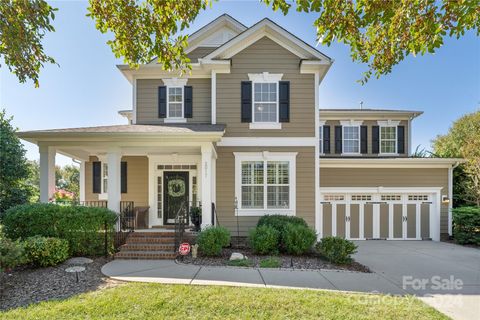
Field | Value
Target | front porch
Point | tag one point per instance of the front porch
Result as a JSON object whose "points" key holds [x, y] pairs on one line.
{"points": [[158, 168]]}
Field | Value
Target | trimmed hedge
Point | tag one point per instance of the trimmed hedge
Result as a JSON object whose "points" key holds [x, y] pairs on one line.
{"points": [[82, 227], [211, 240], [466, 225], [336, 249], [264, 240], [45, 252]]}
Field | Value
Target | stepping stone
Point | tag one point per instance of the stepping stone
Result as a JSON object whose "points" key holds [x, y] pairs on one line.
{"points": [[75, 269], [79, 260]]}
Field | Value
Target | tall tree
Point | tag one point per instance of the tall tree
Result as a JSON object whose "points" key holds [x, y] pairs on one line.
{"points": [[14, 169], [380, 33], [463, 141]]}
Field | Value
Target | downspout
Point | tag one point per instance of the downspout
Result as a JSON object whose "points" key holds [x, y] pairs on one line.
{"points": [[450, 196]]}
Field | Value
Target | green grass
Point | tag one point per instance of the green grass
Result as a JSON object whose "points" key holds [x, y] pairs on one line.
{"points": [[240, 263], [271, 262], [157, 301]]}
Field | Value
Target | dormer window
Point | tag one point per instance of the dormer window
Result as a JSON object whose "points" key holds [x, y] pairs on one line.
{"points": [[388, 136]]}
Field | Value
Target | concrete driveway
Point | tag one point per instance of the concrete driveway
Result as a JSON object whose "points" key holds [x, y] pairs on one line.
{"points": [[446, 276]]}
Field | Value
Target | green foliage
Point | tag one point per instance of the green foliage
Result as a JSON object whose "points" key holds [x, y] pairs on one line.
{"points": [[466, 225], [279, 222], [22, 28], [44, 252], [463, 141], [211, 240], [14, 169], [68, 178], [298, 239], [147, 30], [271, 262], [11, 253], [82, 227], [382, 33], [240, 263], [336, 250], [264, 240]]}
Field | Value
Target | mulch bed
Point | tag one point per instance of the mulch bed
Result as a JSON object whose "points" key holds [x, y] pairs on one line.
{"points": [[27, 285], [308, 262]]}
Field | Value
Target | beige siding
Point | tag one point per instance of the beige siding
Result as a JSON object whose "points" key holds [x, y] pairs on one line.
{"points": [[305, 191], [147, 101], [267, 56], [400, 177], [137, 180], [369, 124], [199, 52]]}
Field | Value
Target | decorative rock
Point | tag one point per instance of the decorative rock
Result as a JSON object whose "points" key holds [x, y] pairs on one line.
{"points": [[79, 260], [75, 269], [237, 256]]}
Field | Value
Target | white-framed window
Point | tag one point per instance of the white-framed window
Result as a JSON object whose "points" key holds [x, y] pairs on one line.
{"points": [[320, 139], [265, 183], [388, 139], [175, 98], [104, 177], [265, 100], [351, 139], [175, 103]]}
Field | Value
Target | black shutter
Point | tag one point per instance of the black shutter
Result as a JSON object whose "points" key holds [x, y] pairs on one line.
{"points": [[284, 101], [363, 139], [338, 139], [375, 139], [188, 102], [97, 171], [162, 102], [326, 139], [246, 101], [123, 177], [401, 139]]}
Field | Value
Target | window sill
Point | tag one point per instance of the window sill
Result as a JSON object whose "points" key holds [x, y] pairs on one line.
{"points": [[175, 120], [389, 154], [265, 125], [350, 154], [263, 212]]}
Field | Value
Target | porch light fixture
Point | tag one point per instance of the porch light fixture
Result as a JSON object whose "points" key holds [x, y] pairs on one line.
{"points": [[445, 199]]}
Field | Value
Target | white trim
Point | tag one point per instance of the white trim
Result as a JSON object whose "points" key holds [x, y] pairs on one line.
{"points": [[214, 96], [134, 99], [175, 82], [265, 77], [168, 118], [318, 214], [266, 156], [47, 172], [388, 123], [380, 189], [389, 163], [82, 181], [267, 142], [352, 124], [265, 125], [450, 197], [206, 183], [174, 120], [114, 158]]}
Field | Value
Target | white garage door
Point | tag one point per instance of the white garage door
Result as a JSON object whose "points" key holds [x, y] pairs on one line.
{"points": [[379, 215]]}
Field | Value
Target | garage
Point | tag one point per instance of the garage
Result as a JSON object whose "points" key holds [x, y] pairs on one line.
{"points": [[380, 213]]}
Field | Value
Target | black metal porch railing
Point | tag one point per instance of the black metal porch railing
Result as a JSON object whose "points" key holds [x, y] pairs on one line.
{"points": [[125, 223], [181, 220]]}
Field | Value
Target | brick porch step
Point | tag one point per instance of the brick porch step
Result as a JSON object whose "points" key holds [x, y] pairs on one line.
{"points": [[145, 255], [147, 247], [147, 240], [153, 234]]}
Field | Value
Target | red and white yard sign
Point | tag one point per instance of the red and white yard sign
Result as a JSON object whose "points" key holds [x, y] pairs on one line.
{"points": [[184, 249]]}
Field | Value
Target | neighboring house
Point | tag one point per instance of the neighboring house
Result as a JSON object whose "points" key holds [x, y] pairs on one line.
{"points": [[242, 136]]}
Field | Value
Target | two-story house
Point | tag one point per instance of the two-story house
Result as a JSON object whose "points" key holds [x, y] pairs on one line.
{"points": [[242, 136]]}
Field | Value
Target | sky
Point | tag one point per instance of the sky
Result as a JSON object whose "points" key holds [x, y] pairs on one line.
{"points": [[86, 89]]}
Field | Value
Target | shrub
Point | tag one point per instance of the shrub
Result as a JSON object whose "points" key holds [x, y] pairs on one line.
{"points": [[336, 250], [279, 223], [466, 225], [298, 239], [82, 227], [240, 263], [264, 240], [11, 253], [45, 252], [211, 240], [271, 262]]}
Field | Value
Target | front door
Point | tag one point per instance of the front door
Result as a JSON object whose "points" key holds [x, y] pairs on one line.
{"points": [[175, 195]]}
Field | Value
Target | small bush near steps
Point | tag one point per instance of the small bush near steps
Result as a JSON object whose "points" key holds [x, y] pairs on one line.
{"points": [[211, 240], [264, 240], [44, 252], [336, 250], [271, 262]]}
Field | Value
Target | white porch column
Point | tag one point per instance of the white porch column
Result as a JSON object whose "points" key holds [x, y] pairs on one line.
{"points": [[207, 153], [114, 196], [47, 172], [82, 181]]}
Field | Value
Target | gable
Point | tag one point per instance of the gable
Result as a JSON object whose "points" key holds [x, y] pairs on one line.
{"points": [[266, 51]]}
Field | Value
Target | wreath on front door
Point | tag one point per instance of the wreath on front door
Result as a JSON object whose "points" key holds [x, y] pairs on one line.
{"points": [[176, 188]]}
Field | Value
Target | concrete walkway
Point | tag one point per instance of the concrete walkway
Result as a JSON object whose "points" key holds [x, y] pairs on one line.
{"points": [[390, 261]]}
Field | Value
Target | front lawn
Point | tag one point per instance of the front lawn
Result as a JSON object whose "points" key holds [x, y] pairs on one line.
{"points": [[156, 301]]}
